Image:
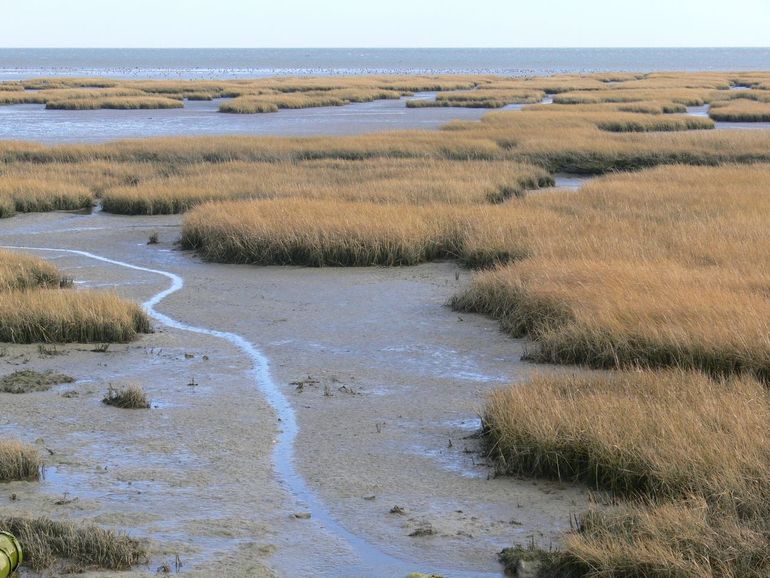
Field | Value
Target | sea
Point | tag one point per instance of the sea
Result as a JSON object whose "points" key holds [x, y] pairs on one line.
{"points": [[219, 63]]}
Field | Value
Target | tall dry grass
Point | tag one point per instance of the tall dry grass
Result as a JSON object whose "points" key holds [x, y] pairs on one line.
{"points": [[686, 538], [61, 315], [251, 95], [37, 306], [377, 180], [575, 142], [65, 547], [123, 103], [578, 141], [686, 96], [131, 396], [266, 94], [19, 461], [272, 102], [19, 271], [25, 195], [486, 97], [659, 434], [691, 453], [665, 267], [740, 110], [318, 233]]}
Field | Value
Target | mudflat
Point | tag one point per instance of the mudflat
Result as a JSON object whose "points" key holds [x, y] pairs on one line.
{"points": [[385, 383]]}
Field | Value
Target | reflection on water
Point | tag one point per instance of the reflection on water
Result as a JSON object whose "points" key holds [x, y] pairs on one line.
{"points": [[571, 181]]}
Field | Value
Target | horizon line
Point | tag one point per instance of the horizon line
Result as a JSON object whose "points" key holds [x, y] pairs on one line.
{"points": [[718, 47]]}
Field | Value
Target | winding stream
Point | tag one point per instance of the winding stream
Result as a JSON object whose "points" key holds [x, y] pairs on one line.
{"points": [[372, 560]]}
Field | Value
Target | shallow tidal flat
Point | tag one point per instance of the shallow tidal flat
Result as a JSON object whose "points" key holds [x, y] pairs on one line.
{"points": [[536, 337]]}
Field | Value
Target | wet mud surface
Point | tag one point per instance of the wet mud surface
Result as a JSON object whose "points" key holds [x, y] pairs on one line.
{"points": [[383, 382]]}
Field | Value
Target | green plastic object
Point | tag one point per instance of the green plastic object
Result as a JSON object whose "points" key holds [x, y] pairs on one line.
{"points": [[11, 555]]}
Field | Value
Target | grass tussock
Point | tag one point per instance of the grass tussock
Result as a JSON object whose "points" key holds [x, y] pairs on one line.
{"points": [[19, 461], [67, 547], [691, 453], [319, 233], [755, 95], [37, 305], [480, 98], [655, 124], [654, 433], [687, 538], [28, 195], [659, 268], [122, 103], [19, 272], [251, 104], [334, 233], [740, 110], [131, 396], [27, 381], [60, 316], [273, 103], [653, 107], [686, 96]]}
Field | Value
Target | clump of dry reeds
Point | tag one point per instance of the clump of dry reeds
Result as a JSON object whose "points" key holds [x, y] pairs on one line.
{"points": [[36, 305], [57, 316], [25, 195], [654, 433], [124, 103], [69, 547], [19, 461], [19, 271], [659, 268], [487, 97], [740, 110], [131, 396], [692, 454]]}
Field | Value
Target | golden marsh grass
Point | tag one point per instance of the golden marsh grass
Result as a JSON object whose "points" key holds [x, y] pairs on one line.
{"points": [[665, 267], [131, 396], [692, 454], [318, 233], [36, 306], [61, 315], [481, 98], [66, 547], [19, 271], [380, 180], [740, 110], [19, 461], [123, 103], [661, 274], [654, 433], [25, 195]]}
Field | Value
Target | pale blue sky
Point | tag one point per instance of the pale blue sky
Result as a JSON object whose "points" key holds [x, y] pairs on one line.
{"points": [[383, 23]]}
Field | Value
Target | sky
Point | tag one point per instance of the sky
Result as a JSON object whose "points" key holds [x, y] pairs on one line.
{"points": [[385, 23]]}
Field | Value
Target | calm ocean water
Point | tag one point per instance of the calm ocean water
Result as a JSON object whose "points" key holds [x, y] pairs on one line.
{"points": [[235, 63]]}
